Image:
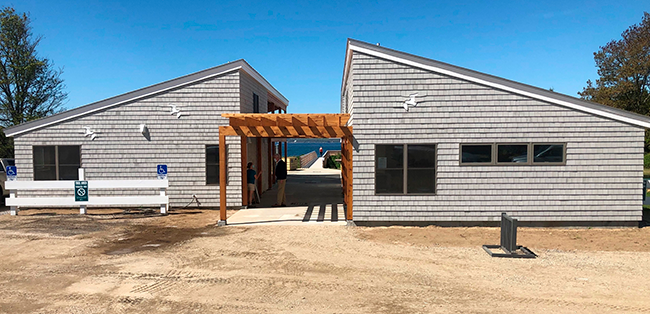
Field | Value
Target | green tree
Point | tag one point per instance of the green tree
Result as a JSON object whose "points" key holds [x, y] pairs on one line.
{"points": [[29, 86], [624, 72]]}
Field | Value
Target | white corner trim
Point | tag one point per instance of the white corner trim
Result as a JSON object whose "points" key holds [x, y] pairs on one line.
{"points": [[500, 86]]}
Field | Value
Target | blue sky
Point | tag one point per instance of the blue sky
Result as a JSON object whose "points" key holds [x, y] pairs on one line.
{"points": [[112, 47]]}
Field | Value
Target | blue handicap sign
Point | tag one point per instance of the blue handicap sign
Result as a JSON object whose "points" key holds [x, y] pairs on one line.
{"points": [[11, 173], [162, 171]]}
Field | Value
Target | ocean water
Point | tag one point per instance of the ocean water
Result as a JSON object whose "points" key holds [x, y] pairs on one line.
{"points": [[301, 148]]}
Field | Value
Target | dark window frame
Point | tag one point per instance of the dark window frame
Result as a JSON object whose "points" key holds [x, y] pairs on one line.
{"points": [[57, 164], [530, 149], [543, 163], [495, 152], [405, 169], [256, 103], [207, 164], [492, 156]]}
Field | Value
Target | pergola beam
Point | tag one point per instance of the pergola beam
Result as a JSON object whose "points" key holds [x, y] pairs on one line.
{"points": [[287, 131], [284, 119]]}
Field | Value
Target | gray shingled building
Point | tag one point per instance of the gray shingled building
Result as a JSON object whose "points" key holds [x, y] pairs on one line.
{"points": [[434, 143], [54, 148], [473, 145]]}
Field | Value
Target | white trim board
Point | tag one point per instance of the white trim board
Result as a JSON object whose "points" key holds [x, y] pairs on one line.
{"points": [[391, 57]]}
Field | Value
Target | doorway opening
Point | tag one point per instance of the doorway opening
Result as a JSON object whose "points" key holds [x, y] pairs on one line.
{"points": [[282, 127]]}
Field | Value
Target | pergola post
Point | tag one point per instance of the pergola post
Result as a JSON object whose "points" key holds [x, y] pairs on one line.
{"points": [[286, 144], [259, 163], [222, 178], [348, 175], [270, 168], [244, 158]]}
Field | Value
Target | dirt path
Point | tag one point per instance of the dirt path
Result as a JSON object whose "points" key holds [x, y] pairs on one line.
{"points": [[181, 263]]}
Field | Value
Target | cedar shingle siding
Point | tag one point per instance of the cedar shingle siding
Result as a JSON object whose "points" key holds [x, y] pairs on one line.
{"points": [[120, 151], [601, 181]]}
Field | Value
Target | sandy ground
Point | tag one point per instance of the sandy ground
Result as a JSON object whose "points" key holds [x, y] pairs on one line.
{"points": [[109, 262]]}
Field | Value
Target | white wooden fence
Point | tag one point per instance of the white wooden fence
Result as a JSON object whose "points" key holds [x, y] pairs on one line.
{"points": [[15, 187]]}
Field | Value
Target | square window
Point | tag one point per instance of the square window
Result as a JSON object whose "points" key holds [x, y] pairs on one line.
{"points": [[56, 162]]}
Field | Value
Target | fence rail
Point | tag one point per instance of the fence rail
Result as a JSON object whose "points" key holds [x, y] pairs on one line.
{"points": [[14, 187]]}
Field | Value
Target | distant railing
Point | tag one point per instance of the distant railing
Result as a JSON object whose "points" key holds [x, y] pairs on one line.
{"points": [[14, 187], [327, 155], [307, 159]]}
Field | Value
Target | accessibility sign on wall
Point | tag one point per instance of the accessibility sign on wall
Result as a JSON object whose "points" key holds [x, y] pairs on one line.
{"points": [[161, 170], [81, 191]]}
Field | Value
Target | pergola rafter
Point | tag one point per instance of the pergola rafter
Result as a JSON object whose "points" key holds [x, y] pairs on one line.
{"points": [[285, 125]]}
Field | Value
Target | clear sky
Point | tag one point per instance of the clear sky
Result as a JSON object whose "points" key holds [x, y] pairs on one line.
{"points": [[112, 47]]}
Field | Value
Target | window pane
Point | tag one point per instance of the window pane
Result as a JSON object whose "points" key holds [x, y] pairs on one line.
{"points": [[44, 173], [212, 154], [69, 155], [389, 181], [421, 180], [44, 162], [476, 153], [212, 174], [44, 155], [389, 156], [68, 172], [512, 153], [212, 164], [421, 156], [548, 153]]}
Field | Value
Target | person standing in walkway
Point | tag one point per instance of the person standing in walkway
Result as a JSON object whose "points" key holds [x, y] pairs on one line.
{"points": [[320, 150], [251, 177], [281, 178]]}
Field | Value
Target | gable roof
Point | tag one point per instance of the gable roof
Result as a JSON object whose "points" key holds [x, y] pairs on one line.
{"points": [[492, 81], [240, 64]]}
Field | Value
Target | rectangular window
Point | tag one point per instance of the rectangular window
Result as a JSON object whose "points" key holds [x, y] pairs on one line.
{"points": [[56, 162], [256, 103], [512, 153], [405, 169], [476, 154], [421, 174], [389, 165], [548, 153], [212, 164]]}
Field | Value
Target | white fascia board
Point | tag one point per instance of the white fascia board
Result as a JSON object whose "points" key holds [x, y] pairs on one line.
{"points": [[500, 86], [250, 71], [158, 91]]}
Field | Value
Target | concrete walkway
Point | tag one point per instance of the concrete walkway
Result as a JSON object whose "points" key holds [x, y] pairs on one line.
{"points": [[314, 196], [318, 164]]}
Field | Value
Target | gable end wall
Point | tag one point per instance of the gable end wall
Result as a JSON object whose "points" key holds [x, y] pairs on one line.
{"points": [[120, 151], [601, 181]]}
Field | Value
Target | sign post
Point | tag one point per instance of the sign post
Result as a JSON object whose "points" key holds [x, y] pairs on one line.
{"points": [[161, 170]]}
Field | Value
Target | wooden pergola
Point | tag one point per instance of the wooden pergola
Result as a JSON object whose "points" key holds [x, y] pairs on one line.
{"points": [[264, 125]]}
